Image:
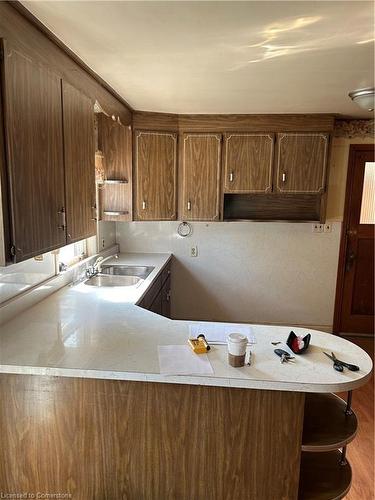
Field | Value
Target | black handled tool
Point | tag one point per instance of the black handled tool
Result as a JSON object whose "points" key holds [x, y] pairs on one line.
{"points": [[339, 365]]}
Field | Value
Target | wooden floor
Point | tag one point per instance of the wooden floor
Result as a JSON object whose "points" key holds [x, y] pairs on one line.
{"points": [[361, 450]]}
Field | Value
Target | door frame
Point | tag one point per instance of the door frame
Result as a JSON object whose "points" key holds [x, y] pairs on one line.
{"points": [[354, 148]]}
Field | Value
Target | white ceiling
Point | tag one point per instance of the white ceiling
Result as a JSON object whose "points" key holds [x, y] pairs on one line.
{"points": [[223, 57]]}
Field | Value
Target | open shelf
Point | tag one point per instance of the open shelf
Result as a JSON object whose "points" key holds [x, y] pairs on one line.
{"points": [[272, 207], [322, 477], [326, 426]]}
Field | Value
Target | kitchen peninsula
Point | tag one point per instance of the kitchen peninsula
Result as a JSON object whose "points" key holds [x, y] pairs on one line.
{"points": [[82, 397]]}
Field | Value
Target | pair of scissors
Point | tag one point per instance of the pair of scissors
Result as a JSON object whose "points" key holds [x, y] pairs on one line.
{"points": [[339, 365]]}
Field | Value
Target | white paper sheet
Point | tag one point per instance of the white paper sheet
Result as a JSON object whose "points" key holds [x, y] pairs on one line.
{"points": [[181, 360], [218, 333]]}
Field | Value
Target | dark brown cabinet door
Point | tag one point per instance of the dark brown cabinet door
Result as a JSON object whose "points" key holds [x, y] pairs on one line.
{"points": [[302, 162], [115, 146], [79, 158], [33, 130], [155, 175], [248, 163], [166, 299], [200, 176]]}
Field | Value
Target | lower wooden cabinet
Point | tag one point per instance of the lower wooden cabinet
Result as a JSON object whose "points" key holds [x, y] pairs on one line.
{"points": [[200, 164], [158, 297]]}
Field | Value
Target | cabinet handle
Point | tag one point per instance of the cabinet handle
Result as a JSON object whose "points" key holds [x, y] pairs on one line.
{"points": [[168, 296], [61, 214], [93, 209], [189, 205], [231, 177], [283, 177], [143, 205]]}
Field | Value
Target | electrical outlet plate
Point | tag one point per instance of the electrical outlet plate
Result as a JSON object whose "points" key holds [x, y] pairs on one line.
{"points": [[328, 228], [194, 251], [317, 228]]}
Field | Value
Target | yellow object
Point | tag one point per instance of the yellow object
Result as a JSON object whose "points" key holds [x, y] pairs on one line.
{"points": [[199, 345]]}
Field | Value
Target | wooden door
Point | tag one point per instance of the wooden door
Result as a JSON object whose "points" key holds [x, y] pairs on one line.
{"points": [[34, 145], [248, 163], [301, 162], [354, 310], [200, 179], [115, 145], [155, 175], [166, 299], [79, 159]]}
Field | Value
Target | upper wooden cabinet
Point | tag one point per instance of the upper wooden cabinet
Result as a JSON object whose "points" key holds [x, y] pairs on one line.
{"points": [[200, 176], [155, 175], [34, 146], [301, 162], [248, 163], [79, 159], [115, 146]]}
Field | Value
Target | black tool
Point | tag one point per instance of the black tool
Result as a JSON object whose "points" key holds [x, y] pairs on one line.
{"points": [[339, 365], [284, 356]]}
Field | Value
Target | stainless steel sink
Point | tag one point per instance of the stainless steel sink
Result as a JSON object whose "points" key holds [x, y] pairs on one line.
{"points": [[139, 271], [113, 280]]}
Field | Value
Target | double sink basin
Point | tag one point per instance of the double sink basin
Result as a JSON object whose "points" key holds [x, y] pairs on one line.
{"points": [[113, 275]]}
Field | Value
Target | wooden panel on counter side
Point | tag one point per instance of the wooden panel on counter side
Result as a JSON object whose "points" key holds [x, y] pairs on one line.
{"points": [[301, 162], [33, 131], [155, 171], [248, 163], [114, 439], [115, 144], [200, 165], [79, 159]]}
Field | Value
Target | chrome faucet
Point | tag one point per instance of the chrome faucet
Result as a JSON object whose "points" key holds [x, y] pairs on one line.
{"points": [[96, 268]]}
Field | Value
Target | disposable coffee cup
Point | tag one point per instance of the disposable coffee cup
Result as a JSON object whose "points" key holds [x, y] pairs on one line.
{"points": [[237, 343]]}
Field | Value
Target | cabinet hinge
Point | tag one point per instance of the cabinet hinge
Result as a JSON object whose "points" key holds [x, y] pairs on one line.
{"points": [[13, 250]]}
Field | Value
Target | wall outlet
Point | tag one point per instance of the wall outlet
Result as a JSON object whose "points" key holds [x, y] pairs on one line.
{"points": [[318, 228], [194, 251], [103, 243], [328, 228]]}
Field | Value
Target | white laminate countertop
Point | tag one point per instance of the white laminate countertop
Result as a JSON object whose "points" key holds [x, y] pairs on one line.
{"points": [[85, 331]]}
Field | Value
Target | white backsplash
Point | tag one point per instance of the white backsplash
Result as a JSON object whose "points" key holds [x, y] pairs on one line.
{"points": [[17, 278], [245, 271]]}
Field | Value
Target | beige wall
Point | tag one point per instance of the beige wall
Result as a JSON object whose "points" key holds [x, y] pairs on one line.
{"points": [[256, 272], [337, 175]]}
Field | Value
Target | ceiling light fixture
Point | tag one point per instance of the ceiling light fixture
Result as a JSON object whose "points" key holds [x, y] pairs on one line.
{"points": [[364, 98]]}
